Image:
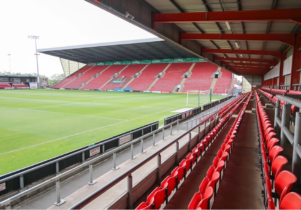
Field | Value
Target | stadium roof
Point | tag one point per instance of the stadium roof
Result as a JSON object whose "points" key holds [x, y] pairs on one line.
{"points": [[144, 49], [243, 31]]}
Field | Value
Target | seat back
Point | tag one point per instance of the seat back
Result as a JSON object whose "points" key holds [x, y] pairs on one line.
{"points": [[171, 185], [215, 162], [274, 152], [205, 201], [203, 186], [284, 182], [156, 198], [144, 205], [220, 166], [291, 201], [278, 164], [210, 172], [272, 143], [194, 201], [214, 179]]}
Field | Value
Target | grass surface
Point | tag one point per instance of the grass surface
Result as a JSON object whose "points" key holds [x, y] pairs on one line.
{"points": [[37, 125]]}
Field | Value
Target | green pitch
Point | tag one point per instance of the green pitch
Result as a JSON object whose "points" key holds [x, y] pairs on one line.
{"points": [[37, 125]]}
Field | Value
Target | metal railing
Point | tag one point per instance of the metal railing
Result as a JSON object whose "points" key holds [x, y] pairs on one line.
{"points": [[128, 173], [89, 164], [282, 128]]}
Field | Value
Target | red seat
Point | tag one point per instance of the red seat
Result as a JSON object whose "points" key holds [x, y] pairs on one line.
{"points": [[204, 204], [186, 164], [291, 201], [196, 199], [156, 198], [191, 158], [226, 147], [144, 205], [222, 155], [203, 185], [178, 173], [215, 177], [278, 164], [169, 184], [284, 182], [272, 143], [210, 172], [274, 152]]}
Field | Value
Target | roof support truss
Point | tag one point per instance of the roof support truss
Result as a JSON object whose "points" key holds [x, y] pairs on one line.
{"points": [[276, 54], [293, 15]]}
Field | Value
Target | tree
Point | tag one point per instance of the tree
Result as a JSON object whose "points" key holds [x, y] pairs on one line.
{"points": [[56, 78]]}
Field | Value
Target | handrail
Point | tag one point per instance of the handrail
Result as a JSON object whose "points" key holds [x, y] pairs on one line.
{"points": [[290, 100], [129, 172]]}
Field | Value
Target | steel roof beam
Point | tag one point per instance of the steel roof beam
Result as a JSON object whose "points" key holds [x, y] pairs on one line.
{"points": [[271, 61], [284, 38], [245, 64], [276, 54], [293, 15]]}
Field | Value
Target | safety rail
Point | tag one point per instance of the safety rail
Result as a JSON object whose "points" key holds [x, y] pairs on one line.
{"points": [[282, 128], [128, 173], [110, 154]]}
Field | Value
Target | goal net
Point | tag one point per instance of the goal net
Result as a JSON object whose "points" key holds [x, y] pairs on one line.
{"points": [[195, 97]]}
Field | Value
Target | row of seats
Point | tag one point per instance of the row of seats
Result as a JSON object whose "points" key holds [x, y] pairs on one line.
{"points": [[201, 199], [162, 194], [223, 111], [273, 177], [5, 85], [282, 91], [21, 85], [273, 99], [200, 79]]}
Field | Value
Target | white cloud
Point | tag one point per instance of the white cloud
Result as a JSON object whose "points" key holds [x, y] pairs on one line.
{"points": [[58, 23]]}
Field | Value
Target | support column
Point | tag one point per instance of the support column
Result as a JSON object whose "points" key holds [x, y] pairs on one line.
{"points": [[296, 162], [296, 63]]}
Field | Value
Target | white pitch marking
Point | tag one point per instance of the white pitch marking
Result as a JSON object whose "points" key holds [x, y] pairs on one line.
{"points": [[76, 134], [182, 110]]}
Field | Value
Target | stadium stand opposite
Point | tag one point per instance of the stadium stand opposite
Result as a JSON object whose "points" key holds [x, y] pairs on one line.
{"points": [[124, 77], [5, 85], [116, 77], [201, 77], [71, 78], [21, 85], [148, 75], [172, 77], [224, 82]]}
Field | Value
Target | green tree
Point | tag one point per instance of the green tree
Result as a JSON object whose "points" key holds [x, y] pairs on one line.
{"points": [[56, 78]]}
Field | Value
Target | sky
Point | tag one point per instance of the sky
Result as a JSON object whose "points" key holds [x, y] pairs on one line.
{"points": [[58, 23]]}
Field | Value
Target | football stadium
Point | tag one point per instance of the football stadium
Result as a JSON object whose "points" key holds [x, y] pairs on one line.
{"points": [[162, 123]]}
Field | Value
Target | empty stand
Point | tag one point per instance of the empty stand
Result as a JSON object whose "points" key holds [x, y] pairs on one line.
{"points": [[21, 85], [223, 83], [5, 85], [201, 78], [88, 76], [124, 77], [71, 77], [105, 76], [147, 77], [172, 77]]}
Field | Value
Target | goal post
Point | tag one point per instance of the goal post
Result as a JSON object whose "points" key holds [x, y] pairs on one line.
{"points": [[191, 96]]}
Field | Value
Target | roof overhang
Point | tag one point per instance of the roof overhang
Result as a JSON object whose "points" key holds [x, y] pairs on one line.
{"points": [[144, 49]]}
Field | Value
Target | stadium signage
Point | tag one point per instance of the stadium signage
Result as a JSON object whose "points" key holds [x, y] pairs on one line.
{"points": [[125, 139], [146, 61], [33, 85], [117, 63], [94, 151], [2, 186], [108, 63], [156, 61], [136, 62], [126, 62], [167, 60], [100, 63], [179, 60]]}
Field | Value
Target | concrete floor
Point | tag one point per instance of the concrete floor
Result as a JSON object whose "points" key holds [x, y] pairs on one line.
{"points": [[241, 185]]}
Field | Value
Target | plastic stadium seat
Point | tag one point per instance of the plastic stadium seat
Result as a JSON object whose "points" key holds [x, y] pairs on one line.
{"points": [[272, 143], [274, 152], [210, 172], [214, 179], [284, 182], [144, 205], [201, 201], [270, 136], [192, 158], [186, 164], [169, 183], [204, 204], [156, 198], [196, 199], [278, 164], [222, 155], [220, 166], [226, 147], [178, 173], [203, 186], [291, 201]]}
